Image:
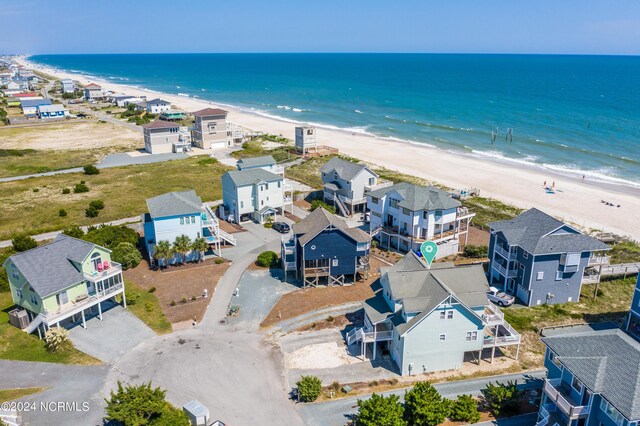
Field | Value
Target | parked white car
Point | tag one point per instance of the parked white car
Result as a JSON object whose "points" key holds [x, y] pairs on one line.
{"points": [[500, 298]]}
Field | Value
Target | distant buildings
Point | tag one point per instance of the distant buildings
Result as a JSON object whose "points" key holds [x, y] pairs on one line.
{"points": [[431, 319], [324, 250], [30, 106], [404, 215], [60, 282], [51, 112], [68, 86], [162, 137], [211, 129], [306, 139], [254, 194], [542, 260], [266, 162], [93, 91], [345, 184], [157, 106]]}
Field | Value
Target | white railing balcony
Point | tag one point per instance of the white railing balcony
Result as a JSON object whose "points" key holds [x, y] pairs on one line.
{"points": [[599, 260], [509, 273], [380, 184], [590, 279], [287, 200], [507, 254], [492, 315], [378, 336], [113, 269], [74, 307], [564, 404]]}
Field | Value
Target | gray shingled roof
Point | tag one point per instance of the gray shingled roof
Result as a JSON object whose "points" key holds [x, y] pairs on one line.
{"points": [[174, 203], [606, 362], [530, 230], [347, 170], [416, 198], [265, 160], [49, 268], [422, 290], [157, 101], [309, 227], [252, 176], [377, 308]]}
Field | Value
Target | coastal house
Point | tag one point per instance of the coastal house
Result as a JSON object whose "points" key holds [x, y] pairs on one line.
{"points": [[181, 213], [345, 184], [323, 249], [592, 378], [633, 320], [254, 194], [124, 103], [432, 319], [306, 140], [404, 215], [61, 282], [120, 100], [30, 106], [93, 91], [51, 112], [68, 86], [211, 129], [172, 115], [265, 162], [157, 105], [160, 137], [12, 85], [542, 260]]}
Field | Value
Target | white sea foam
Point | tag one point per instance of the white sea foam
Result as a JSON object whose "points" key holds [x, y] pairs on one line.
{"points": [[357, 111], [183, 94], [287, 107]]}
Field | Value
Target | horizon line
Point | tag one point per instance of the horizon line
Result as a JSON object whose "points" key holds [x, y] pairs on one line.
{"points": [[326, 53]]}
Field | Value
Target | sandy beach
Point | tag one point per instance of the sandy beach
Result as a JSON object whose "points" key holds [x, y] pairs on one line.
{"points": [[574, 201]]}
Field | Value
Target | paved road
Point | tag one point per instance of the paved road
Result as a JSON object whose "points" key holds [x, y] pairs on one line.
{"points": [[66, 383], [339, 411]]}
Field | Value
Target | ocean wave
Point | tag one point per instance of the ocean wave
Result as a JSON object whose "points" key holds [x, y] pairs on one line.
{"points": [[203, 90], [177, 87], [183, 94], [287, 107], [357, 111]]}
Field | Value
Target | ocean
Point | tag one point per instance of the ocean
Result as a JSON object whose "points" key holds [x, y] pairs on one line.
{"points": [[577, 115]]}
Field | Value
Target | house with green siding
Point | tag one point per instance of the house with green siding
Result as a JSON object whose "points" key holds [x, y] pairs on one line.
{"points": [[60, 283]]}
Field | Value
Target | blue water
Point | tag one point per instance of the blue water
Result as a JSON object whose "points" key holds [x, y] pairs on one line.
{"points": [[571, 114]]}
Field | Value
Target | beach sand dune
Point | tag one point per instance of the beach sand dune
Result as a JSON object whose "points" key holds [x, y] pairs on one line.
{"points": [[574, 201]]}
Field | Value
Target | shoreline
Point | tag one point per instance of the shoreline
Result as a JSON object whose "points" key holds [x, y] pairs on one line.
{"points": [[518, 184]]}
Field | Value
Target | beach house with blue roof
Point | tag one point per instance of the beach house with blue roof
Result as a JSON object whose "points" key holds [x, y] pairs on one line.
{"points": [[542, 260], [30, 106], [181, 213]]}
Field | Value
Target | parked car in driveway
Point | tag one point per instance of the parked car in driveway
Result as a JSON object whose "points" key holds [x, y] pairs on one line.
{"points": [[500, 297], [281, 227]]}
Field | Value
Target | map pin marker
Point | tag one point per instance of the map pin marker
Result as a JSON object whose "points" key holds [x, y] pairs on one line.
{"points": [[429, 249]]}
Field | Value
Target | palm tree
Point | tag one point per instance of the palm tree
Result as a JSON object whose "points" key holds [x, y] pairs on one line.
{"points": [[201, 246], [182, 245], [162, 252]]}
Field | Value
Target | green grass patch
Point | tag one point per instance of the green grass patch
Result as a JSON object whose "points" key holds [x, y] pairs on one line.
{"points": [[17, 345], [308, 172], [16, 162], [255, 148], [489, 210], [145, 306], [625, 252], [612, 304], [13, 394], [123, 190]]}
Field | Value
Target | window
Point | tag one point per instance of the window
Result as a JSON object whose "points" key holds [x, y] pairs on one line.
{"points": [[182, 221], [525, 254], [611, 411], [34, 299], [14, 272], [471, 336], [279, 184], [446, 315], [241, 204], [261, 188], [374, 200], [540, 276], [443, 337], [96, 260], [443, 314], [406, 211], [438, 213], [266, 186], [193, 219], [576, 384], [393, 203], [19, 293], [449, 314], [558, 275], [334, 262], [372, 181]]}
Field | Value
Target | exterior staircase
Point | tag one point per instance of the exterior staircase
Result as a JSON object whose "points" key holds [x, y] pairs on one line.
{"points": [[214, 226], [34, 324], [341, 206]]}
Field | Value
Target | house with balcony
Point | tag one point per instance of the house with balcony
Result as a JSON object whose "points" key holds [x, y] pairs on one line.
{"points": [[254, 194], [540, 259], [592, 379], [404, 215], [30, 106], [323, 249], [345, 183], [265, 162], [157, 106], [67, 85], [61, 282], [432, 319], [162, 137], [211, 129], [93, 91], [182, 213], [52, 112]]}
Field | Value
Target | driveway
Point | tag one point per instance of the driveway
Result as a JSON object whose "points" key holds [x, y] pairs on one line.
{"points": [[64, 383], [109, 339]]}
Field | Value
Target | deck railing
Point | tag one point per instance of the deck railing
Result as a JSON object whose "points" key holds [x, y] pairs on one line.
{"points": [[323, 270], [77, 306], [113, 269], [566, 406], [504, 271]]}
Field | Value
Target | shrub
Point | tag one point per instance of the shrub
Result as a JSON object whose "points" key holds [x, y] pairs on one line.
{"points": [[319, 203], [75, 232], [173, 303], [502, 398], [97, 204], [183, 300], [309, 388], [379, 410], [267, 259], [148, 307], [152, 290], [476, 251], [57, 340], [127, 255], [132, 298], [193, 298], [330, 319], [62, 212], [110, 236], [80, 188], [66, 191], [219, 261], [424, 406], [36, 189], [23, 243], [91, 170], [206, 161], [92, 212], [465, 409]]}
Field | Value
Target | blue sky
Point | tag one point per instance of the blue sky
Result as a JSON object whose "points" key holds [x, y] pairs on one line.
{"points": [[491, 26]]}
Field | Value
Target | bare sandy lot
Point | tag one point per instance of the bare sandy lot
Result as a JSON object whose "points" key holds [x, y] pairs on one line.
{"points": [[69, 135]]}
